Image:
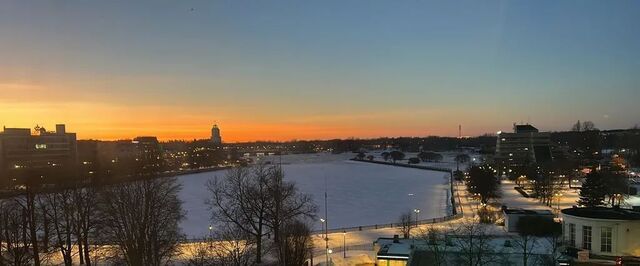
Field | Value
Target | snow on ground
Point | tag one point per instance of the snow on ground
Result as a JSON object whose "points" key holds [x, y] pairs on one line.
{"points": [[513, 199], [448, 159], [359, 193]]}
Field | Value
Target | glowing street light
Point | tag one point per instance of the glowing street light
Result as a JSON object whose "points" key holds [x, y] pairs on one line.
{"points": [[210, 236], [558, 196], [344, 243]]}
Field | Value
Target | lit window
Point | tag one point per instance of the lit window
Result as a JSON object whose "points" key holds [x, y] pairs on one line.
{"points": [[41, 146]]}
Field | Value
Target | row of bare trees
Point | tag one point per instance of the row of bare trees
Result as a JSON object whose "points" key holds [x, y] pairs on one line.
{"points": [[138, 219]]}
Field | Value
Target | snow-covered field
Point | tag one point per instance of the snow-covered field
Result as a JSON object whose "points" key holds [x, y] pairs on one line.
{"points": [[358, 193]]}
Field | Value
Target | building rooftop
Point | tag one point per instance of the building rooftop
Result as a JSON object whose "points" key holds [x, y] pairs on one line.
{"points": [[16, 131], [603, 213], [391, 248], [528, 212], [524, 128]]}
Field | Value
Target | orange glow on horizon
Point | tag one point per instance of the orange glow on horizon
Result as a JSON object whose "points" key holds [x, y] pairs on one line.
{"points": [[24, 106]]}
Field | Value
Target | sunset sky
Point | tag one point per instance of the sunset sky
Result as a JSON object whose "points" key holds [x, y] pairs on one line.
{"points": [[282, 70]]}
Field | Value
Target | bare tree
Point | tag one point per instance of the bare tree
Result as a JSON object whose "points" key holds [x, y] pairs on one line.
{"points": [[474, 244], [142, 218], [577, 126], [396, 156], [438, 243], [296, 244], [233, 246], [385, 155], [588, 126], [287, 205], [200, 254], [27, 203], [60, 211], [85, 220], [242, 198], [14, 234], [531, 230], [406, 224]]}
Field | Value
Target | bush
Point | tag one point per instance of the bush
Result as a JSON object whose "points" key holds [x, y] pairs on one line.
{"points": [[486, 216]]}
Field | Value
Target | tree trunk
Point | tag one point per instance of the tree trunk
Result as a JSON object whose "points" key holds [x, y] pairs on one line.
{"points": [[259, 245], [45, 225], [86, 249], [80, 248], [32, 227]]}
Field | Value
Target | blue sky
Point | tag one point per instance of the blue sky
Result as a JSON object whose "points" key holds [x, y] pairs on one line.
{"points": [[318, 69]]}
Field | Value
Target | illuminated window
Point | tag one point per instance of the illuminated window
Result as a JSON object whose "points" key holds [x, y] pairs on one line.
{"points": [[41, 146]]}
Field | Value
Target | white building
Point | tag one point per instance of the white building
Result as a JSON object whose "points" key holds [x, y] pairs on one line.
{"points": [[603, 231]]}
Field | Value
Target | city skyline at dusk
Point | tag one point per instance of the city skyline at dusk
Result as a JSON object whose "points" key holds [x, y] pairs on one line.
{"points": [[283, 71]]}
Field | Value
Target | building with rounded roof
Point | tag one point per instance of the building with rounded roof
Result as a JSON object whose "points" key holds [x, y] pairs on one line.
{"points": [[603, 231]]}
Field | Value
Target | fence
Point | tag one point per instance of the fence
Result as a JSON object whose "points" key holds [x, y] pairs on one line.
{"points": [[389, 225], [339, 249], [455, 213]]}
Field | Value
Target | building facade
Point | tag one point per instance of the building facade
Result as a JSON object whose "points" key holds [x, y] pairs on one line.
{"points": [[46, 154], [524, 146], [602, 231]]}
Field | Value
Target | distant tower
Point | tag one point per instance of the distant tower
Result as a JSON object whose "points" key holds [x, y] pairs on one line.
{"points": [[459, 131], [215, 135]]}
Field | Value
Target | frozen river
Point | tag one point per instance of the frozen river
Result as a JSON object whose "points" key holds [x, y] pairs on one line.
{"points": [[358, 193]]}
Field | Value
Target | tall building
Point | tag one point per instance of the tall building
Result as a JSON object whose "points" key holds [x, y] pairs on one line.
{"points": [[215, 135], [524, 146], [43, 153]]}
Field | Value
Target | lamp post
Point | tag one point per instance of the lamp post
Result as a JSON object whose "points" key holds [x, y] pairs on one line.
{"points": [[326, 239], [210, 236], [344, 243], [416, 211]]}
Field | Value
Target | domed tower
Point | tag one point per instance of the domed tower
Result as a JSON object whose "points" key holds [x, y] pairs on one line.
{"points": [[215, 135]]}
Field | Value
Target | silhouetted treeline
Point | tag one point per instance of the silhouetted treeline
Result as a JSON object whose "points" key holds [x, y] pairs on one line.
{"points": [[407, 144]]}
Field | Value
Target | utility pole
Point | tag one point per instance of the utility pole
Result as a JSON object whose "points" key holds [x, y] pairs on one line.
{"points": [[326, 223]]}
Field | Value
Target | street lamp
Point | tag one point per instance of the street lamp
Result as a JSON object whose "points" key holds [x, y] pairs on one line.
{"points": [[558, 196], [210, 236], [344, 243], [326, 239], [416, 211]]}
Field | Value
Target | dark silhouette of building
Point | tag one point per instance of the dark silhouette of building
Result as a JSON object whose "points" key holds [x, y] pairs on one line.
{"points": [[524, 146], [43, 154], [215, 135]]}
